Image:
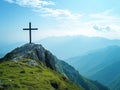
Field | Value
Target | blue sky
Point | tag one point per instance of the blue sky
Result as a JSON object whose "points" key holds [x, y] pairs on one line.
{"points": [[59, 18]]}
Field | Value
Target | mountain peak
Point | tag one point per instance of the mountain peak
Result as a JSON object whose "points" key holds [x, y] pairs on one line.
{"points": [[31, 45], [36, 55], [28, 47], [31, 66], [34, 52]]}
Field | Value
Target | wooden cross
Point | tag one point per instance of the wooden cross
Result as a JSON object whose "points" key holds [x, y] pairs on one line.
{"points": [[30, 29]]}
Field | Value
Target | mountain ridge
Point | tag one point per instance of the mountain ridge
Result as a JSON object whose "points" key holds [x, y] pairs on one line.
{"points": [[102, 65], [35, 54], [76, 45], [93, 62], [81, 45]]}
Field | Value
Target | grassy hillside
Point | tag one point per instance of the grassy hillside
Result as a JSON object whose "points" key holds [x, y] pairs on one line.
{"points": [[21, 76], [31, 65], [80, 80]]}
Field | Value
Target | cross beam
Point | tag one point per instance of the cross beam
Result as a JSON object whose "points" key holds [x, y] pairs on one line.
{"points": [[30, 29]]}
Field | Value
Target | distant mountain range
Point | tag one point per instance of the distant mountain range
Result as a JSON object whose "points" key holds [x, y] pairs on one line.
{"points": [[32, 67], [70, 46], [6, 47], [102, 65], [1, 54], [67, 46], [110, 76]]}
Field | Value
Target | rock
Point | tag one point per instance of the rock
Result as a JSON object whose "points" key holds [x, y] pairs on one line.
{"points": [[32, 63]]}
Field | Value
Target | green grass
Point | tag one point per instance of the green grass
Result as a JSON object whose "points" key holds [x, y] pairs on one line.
{"points": [[20, 76]]}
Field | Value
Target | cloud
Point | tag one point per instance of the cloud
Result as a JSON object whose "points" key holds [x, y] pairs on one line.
{"points": [[40, 7], [93, 24], [101, 28], [102, 15], [59, 13], [31, 3]]}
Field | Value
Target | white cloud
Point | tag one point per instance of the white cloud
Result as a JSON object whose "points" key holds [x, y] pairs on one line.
{"points": [[104, 24], [32, 3], [59, 13], [101, 28], [102, 15], [39, 6]]}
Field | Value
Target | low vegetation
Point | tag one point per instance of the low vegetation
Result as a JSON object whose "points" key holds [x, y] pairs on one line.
{"points": [[21, 76]]}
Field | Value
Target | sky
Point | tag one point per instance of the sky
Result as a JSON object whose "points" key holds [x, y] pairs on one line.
{"points": [[93, 18]]}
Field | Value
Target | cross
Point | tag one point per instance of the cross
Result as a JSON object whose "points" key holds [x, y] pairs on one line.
{"points": [[30, 29]]}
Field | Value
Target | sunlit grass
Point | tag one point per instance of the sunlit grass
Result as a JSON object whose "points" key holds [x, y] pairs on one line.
{"points": [[20, 76]]}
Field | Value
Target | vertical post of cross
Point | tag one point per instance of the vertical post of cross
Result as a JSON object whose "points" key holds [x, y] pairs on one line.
{"points": [[30, 31], [30, 34]]}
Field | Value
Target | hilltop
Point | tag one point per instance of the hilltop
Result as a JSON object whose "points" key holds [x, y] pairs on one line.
{"points": [[31, 66]]}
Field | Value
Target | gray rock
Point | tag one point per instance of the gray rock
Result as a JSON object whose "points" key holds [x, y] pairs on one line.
{"points": [[32, 63]]}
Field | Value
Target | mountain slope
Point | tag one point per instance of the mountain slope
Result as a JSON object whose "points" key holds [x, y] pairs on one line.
{"points": [[34, 59], [96, 60], [20, 76], [115, 84], [74, 76], [102, 65], [109, 76]]}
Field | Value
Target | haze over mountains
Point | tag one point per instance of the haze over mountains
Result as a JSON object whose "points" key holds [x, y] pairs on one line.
{"points": [[70, 46], [102, 65], [67, 46], [93, 57], [6, 47]]}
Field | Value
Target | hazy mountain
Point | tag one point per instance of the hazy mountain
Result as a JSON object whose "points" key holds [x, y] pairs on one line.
{"points": [[101, 65], [96, 60], [1, 55], [32, 66], [7, 47], [109, 76], [65, 47], [115, 84], [70, 46]]}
